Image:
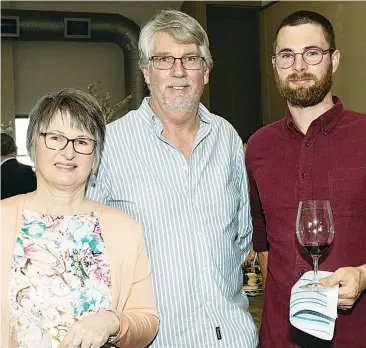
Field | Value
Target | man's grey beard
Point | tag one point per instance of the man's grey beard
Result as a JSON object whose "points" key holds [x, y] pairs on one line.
{"points": [[183, 106]]}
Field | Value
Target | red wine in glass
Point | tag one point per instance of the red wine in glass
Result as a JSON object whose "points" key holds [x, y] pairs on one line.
{"points": [[315, 232], [316, 250]]}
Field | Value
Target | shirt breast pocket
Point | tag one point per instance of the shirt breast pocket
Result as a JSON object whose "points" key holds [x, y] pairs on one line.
{"points": [[219, 197], [347, 191]]}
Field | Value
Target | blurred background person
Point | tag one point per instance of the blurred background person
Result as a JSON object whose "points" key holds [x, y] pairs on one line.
{"points": [[16, 178]]}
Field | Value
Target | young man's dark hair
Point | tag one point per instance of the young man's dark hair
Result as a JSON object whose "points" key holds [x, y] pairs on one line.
{"points": [[8, 145], [308, 17]]}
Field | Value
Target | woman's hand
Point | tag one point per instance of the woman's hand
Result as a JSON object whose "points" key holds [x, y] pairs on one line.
{"points": [[92, 331]]}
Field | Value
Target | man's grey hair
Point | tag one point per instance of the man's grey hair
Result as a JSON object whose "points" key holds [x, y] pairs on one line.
{"points": [[181, 27], [85, 114]]}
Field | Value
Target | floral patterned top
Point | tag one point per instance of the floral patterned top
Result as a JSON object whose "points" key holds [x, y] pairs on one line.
{"points": [[59, 273]]}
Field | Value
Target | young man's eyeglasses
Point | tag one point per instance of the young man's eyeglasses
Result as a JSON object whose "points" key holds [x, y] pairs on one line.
{"points": [[55, 141], [312, 56], [167, 62]]}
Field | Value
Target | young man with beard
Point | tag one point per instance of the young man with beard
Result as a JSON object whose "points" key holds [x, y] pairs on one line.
{"points": [[179, 170], [317, 151]]}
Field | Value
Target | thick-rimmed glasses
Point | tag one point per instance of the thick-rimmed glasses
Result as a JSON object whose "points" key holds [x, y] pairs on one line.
{"points": [[312, 56], [167, 62], [55, 141]]}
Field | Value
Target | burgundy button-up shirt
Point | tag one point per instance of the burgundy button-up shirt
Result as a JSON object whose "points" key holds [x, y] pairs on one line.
{"points": [[284, 167]]}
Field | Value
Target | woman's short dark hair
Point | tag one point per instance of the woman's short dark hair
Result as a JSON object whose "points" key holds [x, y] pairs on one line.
{"points": [[85, 113], [308, 17]]}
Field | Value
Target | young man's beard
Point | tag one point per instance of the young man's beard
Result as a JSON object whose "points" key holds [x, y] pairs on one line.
{"points": [[304, 97]]}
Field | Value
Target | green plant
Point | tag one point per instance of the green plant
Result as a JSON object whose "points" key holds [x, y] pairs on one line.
{"points": [[111, 111], [6, 129]]}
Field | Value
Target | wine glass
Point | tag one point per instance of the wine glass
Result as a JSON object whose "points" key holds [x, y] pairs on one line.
{"points": [[315, 232]]}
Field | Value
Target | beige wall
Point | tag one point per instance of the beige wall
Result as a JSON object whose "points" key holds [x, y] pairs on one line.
{"points": [[349, 22], [42, 67], [7, 79], [7, 84], [32, 69]]}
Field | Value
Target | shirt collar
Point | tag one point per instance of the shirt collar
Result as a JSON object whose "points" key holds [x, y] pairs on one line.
{"points": [[327, 120], [7, 159], [154, 121]]}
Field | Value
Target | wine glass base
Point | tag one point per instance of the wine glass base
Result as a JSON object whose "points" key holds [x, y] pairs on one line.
{"points": [[314, 286]]}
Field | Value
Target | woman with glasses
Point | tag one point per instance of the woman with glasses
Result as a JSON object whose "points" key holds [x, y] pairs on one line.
{"points": [[74, 272]]}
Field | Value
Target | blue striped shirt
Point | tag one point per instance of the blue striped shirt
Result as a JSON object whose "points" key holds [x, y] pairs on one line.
{"points": [[196, 221]]}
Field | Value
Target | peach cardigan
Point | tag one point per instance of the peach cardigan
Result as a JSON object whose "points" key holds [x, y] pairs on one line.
{"points": [[132, 294]]}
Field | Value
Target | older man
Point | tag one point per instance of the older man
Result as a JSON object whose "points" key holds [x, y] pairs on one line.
{"points": [[317, 151], [179, 170]]}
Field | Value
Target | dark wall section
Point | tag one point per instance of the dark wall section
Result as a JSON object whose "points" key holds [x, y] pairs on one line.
{"points": [[235, 82]]}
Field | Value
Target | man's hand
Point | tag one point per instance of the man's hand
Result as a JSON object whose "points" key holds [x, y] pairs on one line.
{"points": [[351, 280], [92, 331], [250, 258]]}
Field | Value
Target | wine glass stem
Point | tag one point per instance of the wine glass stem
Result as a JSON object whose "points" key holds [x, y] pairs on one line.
{"points": [[315, 263]]}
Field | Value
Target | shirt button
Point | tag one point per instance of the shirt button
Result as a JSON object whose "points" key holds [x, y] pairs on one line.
{"points": [[307, 144], [303, 175]]}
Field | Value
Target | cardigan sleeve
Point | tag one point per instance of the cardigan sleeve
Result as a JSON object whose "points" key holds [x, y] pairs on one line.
{"points": [[139, 319]]}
